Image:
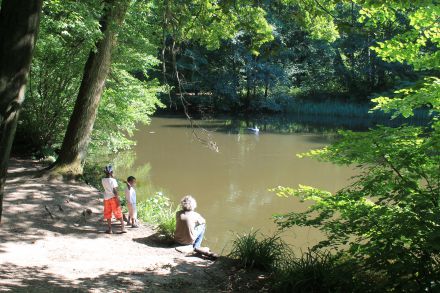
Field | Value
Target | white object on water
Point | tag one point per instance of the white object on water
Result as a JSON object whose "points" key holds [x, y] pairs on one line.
{"points": [[256, 129]]}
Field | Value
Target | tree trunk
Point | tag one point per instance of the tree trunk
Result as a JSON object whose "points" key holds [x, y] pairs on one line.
{"points": [[79, 129], [248, 90], [19, 21], [266, 88]]}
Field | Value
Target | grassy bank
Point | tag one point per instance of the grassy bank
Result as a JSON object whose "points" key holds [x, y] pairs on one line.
{"points": [[311, 271]]}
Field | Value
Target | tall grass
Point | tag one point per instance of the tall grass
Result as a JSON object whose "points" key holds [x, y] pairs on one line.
{"points": [[312, 271], [252, 252], [159, 211], [333, 108], [349, 109]]}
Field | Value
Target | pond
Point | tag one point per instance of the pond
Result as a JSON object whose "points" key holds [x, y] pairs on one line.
{"points": [[231, 183]]}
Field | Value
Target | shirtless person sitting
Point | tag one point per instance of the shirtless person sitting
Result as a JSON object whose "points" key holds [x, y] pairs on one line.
{"points": [[190, 226]]}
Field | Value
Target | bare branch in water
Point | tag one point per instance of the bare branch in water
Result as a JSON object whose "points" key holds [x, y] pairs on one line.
{"points": [[201, 134]]}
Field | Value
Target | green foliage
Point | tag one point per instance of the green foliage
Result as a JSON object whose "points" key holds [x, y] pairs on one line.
{"points": [[68, 32], [388, 218], [425, 94], [124, 104], [341, 65], [317, 18], [210, 22], [130, 95], [418, 47], [159, 211], [252, 252]]}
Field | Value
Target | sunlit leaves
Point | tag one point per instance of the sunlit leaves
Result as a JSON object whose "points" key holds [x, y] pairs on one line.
{"points": [[126, 102], [419, 47], [390, 216], [69, 30], [210, 22], [317, 17], [406, 100]]}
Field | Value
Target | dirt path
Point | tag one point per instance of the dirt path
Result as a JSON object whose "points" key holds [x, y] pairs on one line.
{"points": [[50, 242]]}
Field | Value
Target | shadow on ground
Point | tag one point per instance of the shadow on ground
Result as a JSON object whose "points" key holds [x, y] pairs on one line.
{"points": [[34, 206], [52, 240], [156, 240], [162, 279]]}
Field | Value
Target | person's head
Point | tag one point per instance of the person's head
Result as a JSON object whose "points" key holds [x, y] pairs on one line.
{"points": [[188, 203], [131, 180], [108, 170]]}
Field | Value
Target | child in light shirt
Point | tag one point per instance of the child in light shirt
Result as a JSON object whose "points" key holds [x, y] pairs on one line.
{"points": [[112, 205], [130, 196]]}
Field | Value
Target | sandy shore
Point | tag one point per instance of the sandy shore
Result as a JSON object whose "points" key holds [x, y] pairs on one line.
{"points": [[52, 240]]}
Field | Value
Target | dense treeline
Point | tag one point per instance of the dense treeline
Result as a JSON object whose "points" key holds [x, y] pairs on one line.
{"points": [[295, 65]]}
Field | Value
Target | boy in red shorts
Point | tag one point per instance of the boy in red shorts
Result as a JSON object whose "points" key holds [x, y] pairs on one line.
{"points": [[112, 204]]}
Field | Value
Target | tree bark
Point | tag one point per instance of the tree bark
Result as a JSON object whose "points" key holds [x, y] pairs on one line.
{"points": [[19, 21], [79, 129]]}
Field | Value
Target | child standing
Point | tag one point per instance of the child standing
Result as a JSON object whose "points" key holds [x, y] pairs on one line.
{"points": [[112, 204], [130, 196]]}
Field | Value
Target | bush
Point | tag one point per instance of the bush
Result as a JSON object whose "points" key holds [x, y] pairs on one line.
{"points": [[264, 254], [159, 211], [388, 219]]}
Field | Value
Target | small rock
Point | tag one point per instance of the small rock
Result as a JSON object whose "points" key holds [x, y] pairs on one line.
{"points": [[87, 212]]}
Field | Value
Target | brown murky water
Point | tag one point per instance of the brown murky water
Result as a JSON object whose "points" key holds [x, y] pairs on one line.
{"points": [[231, 186]]}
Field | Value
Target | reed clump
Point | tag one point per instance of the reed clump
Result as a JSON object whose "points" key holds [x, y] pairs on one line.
{"points": [[311, 271], [253, 252]]}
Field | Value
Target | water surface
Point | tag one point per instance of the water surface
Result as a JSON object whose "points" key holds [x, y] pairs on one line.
{"points": [[231, 185]]}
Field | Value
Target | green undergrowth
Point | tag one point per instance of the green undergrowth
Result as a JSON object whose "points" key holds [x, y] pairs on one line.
{"points": [[311, 271], [159, 211]]}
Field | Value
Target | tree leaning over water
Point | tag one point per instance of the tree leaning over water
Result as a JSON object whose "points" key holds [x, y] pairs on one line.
{"points": [[19, 21], [79, 129]]}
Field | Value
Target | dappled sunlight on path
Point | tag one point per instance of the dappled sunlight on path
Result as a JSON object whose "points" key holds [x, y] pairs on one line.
{"points": [[52, 239]]}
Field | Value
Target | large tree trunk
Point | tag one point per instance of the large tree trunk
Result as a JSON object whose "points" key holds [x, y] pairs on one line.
{"points": [[77, 138], [19, 21]]}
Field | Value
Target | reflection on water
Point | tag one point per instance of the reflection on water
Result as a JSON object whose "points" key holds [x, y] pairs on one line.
{"points": [[231, 186]]}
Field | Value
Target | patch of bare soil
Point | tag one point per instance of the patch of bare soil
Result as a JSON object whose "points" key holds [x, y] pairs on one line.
{"points": [[52, 240]]}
